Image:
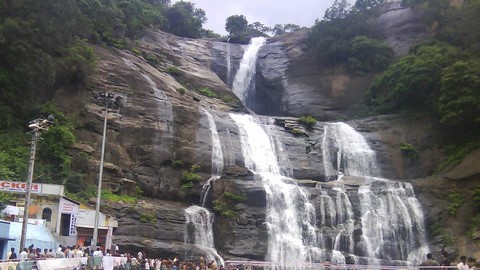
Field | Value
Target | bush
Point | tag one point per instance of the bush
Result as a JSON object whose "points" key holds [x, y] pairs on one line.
{"points": [[208, 92], [234, 197], [152, 59], [297, 132], [136, 51], [147, 218], [181, 91], [308, 121], [222, 209], [409, 150], [176, 163], [229, 99], [189, 176], [456, 200], [174, 71]]}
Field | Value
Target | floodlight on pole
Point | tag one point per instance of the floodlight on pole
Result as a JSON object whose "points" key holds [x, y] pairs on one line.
{"points": [[109, 101], [37, 126]]}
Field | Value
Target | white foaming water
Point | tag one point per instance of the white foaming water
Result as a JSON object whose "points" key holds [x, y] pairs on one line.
{"points": [[352, 155], [217, 158], [165, 109], [247, 69], [198, 231], [229, 62], [392, 221], [290, 217]]}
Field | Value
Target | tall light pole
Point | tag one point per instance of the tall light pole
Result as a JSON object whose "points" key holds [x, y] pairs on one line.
{"points": [[109, 101], [37, 126]]}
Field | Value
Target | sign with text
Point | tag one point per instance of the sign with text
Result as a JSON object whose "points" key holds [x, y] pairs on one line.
{"points": [[18, 186], [68, 207]]}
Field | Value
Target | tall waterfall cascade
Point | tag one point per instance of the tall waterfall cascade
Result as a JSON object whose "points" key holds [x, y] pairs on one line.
{"points": [[243, 78], [373, 221], [198, 219], [290, 216], [217, 158]]}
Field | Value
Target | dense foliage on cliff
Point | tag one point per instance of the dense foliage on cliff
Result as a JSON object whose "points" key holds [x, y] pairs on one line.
{"points": [[440, 77], [347, 35], [46, 45]]}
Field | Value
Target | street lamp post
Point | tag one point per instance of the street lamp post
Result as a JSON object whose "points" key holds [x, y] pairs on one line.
{"points": [[37, 125], [109, 101]]}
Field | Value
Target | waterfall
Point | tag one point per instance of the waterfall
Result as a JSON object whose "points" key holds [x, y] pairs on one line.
{"points": [[229, 64], [392, 222], [199, 220], [164, 106], [217, 158], [198, 231], [290, 217], [246, 71], [351, 153]]}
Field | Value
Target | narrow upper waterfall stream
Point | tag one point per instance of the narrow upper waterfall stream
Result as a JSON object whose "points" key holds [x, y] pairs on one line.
{"points": [[243, 78], [164, 107], [229, 62]]}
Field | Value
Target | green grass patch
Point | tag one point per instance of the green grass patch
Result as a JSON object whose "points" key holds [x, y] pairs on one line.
{"points": [[147, 218], [108, 195], [208, 92], [455, 154], [308, 121], [229, 99], [234, 196], [456, 200]]}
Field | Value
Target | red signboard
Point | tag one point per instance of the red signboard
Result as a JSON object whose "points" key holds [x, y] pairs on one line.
{"points": [[18, 186]]}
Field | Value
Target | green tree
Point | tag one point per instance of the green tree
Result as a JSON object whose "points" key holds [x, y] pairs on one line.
{"points": [[339, 10], [367, 4], [413, 83], [280, 29], [236, 25], [369, 55], [185, 20], [459, 102]]}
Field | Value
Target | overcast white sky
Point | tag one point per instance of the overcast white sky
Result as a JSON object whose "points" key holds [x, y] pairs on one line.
{"points": [[268, 12]]}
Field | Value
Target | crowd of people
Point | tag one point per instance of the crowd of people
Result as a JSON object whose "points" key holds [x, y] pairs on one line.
{"points": [[133, 262], [465, 263], [142, 262]]}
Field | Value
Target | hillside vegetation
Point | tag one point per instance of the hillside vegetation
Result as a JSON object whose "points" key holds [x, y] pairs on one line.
{"points": [[46, 45], [438, 79]]}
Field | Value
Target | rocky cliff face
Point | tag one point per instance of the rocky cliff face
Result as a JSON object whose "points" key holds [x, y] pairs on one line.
{"points": [[161, 123]]}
